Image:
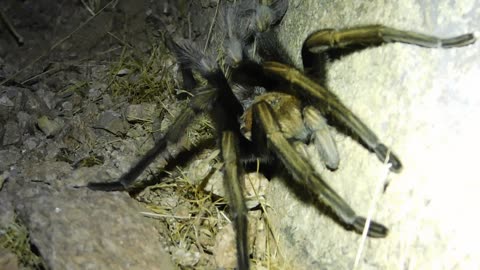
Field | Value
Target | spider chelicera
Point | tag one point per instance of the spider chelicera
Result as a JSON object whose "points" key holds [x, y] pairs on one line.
{"points": [[267, 109]]}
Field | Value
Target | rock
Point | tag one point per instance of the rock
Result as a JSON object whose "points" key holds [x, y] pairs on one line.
{"points": [[8, 260], [31, 143], [83, 175], [201, 168], [52, 150], [215, 184], [224, 250], [8, 157], [107, 101], [48, 98], [144, 112], [7, 214], [122, 72], [3, 178], [6, 106], [422, 103], [208, 3], [35, 105], [49, 127], [94, 93], [185, 257], [12, 133], [255, 187], [67, 106], [83, 229], [47, 172], [26, 122], [112, 122], [5, 101]]}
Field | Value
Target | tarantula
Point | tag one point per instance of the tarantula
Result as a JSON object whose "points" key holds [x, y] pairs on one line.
{"points": [[266, 109]]}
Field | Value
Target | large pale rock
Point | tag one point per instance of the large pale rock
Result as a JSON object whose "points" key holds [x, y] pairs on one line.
{"points": [[422, 102]]}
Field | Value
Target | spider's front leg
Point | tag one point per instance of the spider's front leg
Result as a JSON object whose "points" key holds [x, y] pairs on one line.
{"points": [[303, 173], [374, 35], [331, 105]]}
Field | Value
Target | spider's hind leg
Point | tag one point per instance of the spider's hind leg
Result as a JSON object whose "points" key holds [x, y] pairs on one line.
{"points": [[304, 174], [233, 171]]}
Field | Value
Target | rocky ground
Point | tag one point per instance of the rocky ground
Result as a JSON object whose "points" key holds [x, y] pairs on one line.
{"points": [[81, 97], [87, 86]]}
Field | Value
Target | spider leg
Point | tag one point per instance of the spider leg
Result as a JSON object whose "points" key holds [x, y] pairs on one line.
{"points": [[166, 147], [230, 154], [235, 27], [268, 16], [243, 22], [303, 173], [190, 57], [225, 111], [331, 104], [372, 35]]}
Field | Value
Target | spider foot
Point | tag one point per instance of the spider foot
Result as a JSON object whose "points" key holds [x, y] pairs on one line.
{"points": [[458, 41], [385, 154], [375, 229]]}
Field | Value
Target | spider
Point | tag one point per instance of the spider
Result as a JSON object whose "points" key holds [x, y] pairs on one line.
{"points": [[267, 109]]}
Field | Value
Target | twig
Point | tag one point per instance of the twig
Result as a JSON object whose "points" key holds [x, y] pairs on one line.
{"points": [[11, 29], [58, 43], [87, 7], [211, 26], [378, 189], [159, 216], [270, 226]]}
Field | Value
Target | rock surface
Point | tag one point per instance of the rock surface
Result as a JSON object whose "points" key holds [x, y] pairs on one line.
{"points": [[53, 140], [420, 101]]}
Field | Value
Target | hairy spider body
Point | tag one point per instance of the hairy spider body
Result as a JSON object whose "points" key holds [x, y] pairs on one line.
{"points": [[287, 113]]}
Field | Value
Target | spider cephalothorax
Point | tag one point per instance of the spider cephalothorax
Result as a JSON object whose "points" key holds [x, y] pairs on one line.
{"points": [[288, 108]]}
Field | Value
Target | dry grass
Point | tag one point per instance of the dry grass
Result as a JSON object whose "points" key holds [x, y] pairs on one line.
{"points": [[14, 237]]}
